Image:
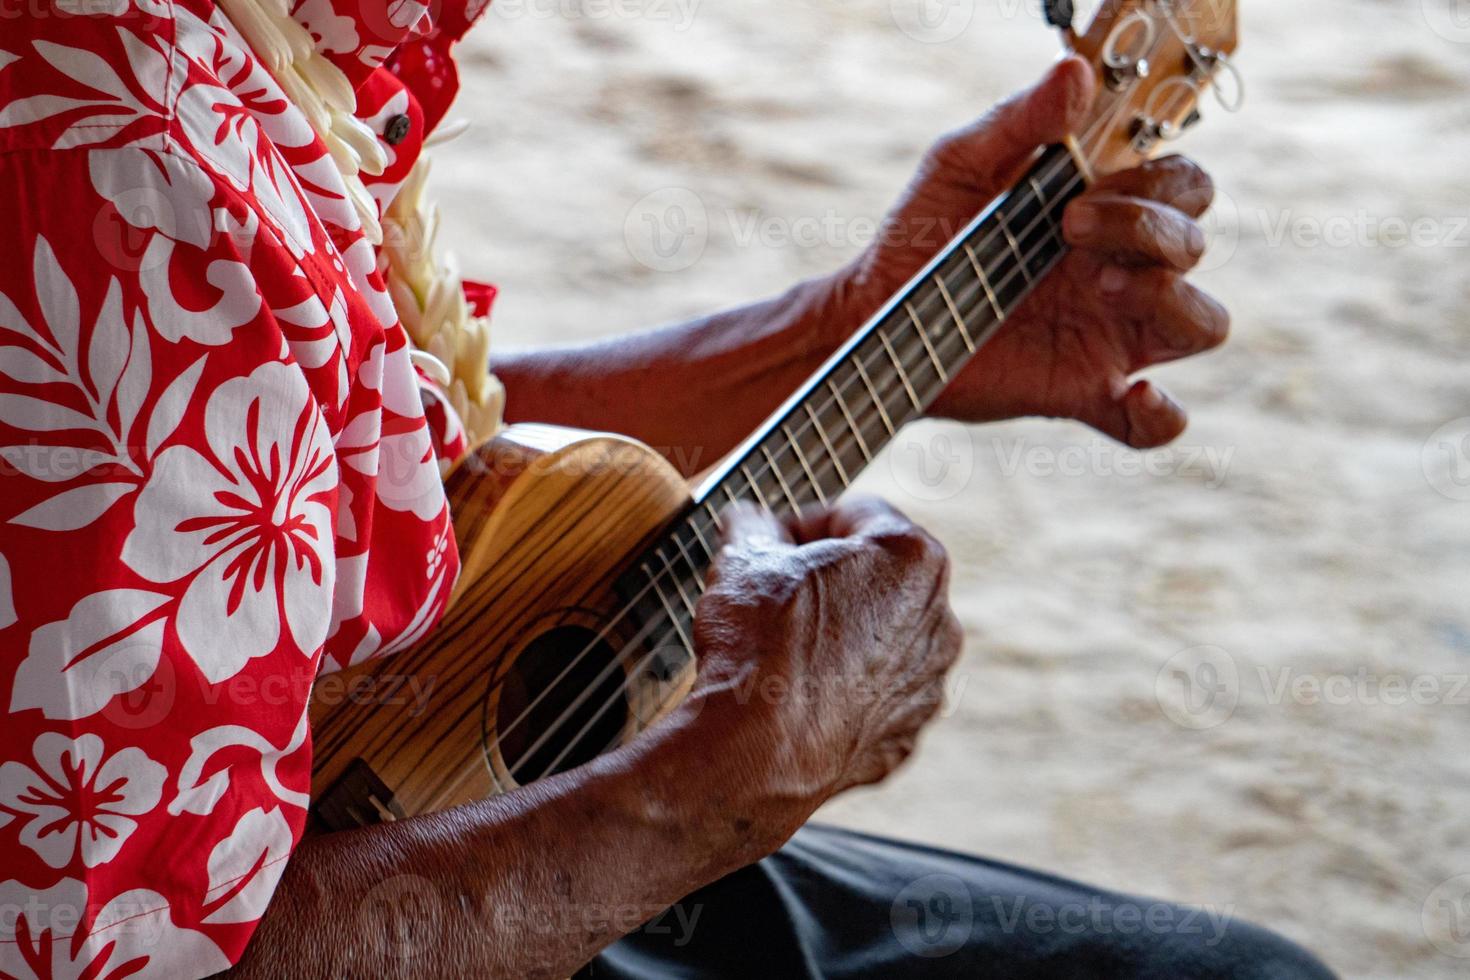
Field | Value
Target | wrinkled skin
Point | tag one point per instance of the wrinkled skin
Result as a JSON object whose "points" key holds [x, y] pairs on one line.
{"points": [[1117, 304], [824, 642]]}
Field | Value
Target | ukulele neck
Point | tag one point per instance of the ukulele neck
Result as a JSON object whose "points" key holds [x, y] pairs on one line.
{"points": [[887, 374]]}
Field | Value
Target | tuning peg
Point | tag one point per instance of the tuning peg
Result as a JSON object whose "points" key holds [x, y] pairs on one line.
{"points": [[1059, 13]]}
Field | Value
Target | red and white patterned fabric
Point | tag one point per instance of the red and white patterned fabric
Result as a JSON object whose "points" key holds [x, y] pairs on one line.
{"points": [[216, 474]]}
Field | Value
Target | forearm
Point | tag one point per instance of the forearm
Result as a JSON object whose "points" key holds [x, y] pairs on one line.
{"points": [[529, 884], [693, 391]]}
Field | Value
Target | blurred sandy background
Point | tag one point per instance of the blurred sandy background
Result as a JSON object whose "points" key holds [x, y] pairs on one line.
{"points": [[1231, 673]]}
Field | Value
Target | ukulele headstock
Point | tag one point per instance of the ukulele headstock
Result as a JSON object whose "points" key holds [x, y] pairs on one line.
{"points": [[1154, 60]]}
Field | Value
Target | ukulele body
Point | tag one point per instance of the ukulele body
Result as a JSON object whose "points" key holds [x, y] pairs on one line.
{"points": [[545, 519]]}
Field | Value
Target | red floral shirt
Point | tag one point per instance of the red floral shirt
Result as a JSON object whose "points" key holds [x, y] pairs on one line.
{"points": [[217, 478]]}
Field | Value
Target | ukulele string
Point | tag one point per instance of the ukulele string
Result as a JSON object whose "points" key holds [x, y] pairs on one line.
{"points": [[964, 297], [968, 293]]}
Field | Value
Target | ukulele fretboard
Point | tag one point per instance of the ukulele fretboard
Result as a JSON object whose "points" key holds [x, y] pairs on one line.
{"points": [[886, 375]]}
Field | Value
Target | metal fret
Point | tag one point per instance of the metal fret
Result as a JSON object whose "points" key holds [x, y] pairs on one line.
{"points": [[694, 526], [882, 412], [827, 444], [954, 311], [898, 366], [1048, 213], [694, 567], [781, 480], [851, 424], [678, 583], [801, 458], [1005, 228], [985, 284], [928, 347], [754, 486]]}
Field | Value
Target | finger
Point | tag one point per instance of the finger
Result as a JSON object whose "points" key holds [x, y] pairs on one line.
{"points": [[1133, 229], [855, 515], [993, 150], [1173, 180], [1175, 318], [1145, 417], [745, 526]]}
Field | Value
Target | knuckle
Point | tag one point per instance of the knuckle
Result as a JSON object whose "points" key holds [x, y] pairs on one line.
{"points": [[913, 545]]}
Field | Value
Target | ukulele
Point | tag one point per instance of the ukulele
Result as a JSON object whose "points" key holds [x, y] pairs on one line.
{"points": [[584, 553]]}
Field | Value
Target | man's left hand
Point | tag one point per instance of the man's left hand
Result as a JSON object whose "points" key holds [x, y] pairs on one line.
{"points": [[1115, 305]]}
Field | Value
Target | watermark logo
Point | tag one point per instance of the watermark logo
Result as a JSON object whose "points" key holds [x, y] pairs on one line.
{"points": [[1450, 19], [401, 917], [1100, 458], [679, 14], [1446, 459], [934, 461], [1198, 688], [667, 230], [933, 916], [1446, 917], [932, 21]]}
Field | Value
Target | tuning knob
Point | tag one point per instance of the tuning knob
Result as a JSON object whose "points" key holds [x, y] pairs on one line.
{"points": [[1145, 133], [1059, 13], [1201, 61], [1120, 77]]}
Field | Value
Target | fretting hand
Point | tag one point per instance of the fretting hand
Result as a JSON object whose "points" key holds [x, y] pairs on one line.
{"points": [[1116, 304], [823, 646]]}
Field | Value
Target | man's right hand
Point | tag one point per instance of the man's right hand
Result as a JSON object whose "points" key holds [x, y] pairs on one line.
{"points": [[823, 645]]}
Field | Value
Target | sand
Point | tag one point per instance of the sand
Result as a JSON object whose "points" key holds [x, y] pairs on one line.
{"points": [[1301, 556]]}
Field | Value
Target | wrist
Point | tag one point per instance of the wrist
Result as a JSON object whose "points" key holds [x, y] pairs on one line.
{"points": [[741, 797]]}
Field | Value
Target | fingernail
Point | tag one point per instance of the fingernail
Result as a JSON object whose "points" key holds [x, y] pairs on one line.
{"points": [[1112, 279], [1152, 397], [1081, 220], [1196, 241]]}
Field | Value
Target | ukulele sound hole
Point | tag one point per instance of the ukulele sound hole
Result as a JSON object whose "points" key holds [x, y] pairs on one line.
{"points": [[562, 703]]}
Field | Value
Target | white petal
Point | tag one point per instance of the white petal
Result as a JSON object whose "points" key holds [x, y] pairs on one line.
{"points": [[75, 666], [39, 415], [169, 410], [137, 376], [7, 597], [58, 296], [84, 66], [26, 367], [133, 780], [102, 836], [257, 847], [220, 639], [75, 508], [52, 835], [184, 486]]}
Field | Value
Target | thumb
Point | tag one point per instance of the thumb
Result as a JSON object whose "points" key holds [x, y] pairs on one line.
{"points": [[992, 151], [744, 525]]}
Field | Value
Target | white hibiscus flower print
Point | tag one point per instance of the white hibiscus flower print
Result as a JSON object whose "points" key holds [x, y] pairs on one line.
{"points": [[248, 526], [79, 800], [408, 471], [332, 32], [228, 136], [60, 933]]}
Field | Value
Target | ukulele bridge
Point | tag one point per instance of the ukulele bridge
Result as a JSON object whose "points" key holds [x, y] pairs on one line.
{"points": [[359, 798]]}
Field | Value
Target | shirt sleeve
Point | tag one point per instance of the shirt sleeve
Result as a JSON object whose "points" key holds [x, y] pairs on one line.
{"points": [[204, 442]]}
